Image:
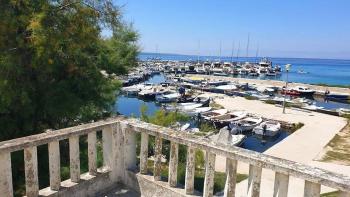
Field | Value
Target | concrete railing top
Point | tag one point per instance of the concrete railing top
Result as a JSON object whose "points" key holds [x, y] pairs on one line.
{"points": [[308, 173]]}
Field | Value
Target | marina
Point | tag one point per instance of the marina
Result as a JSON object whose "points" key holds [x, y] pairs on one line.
{"points": [[130, 105], [247, 112]]}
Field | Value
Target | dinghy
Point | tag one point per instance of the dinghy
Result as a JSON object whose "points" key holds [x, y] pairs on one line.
{"points": [[246, 124], [210, 114], [268, 128], [226, 119]]}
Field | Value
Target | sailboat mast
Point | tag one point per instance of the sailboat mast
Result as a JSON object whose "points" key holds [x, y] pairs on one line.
{"points": [[220, 53], [233, 47], [199, 46], [257, 53], [248, 45], [239, 45]]}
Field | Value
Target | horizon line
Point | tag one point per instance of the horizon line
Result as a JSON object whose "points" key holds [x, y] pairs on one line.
{"points": [[319, 58]]}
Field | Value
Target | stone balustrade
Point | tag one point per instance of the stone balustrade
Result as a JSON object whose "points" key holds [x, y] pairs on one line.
{"points": [[120, 163]]}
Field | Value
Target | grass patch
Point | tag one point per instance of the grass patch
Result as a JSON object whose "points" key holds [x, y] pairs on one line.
{"points": [[296, 126], [219, 177], [330, 194], [337, 150], [248, 97]]}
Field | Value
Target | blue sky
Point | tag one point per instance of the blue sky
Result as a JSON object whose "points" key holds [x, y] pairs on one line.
{"points": [[296, 28]]}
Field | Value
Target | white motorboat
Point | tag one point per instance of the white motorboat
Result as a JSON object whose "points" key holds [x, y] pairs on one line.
{"points": [[185, 107], [214, 113], [198, 110], [303, 91], [135, 89], [246, 124], [226, 119], [167, 98], [268, 128], [229, 87]]}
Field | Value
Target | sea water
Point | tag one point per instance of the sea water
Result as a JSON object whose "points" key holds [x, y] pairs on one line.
{"points": [[316, 71]]}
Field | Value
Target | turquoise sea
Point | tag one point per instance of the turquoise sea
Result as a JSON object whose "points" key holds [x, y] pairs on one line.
{"points": [[325, 71]]}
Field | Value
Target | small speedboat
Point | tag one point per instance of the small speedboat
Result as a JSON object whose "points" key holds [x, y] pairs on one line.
{"points": [[167, 98], [226, 119], [268, 128], [198, 110], [246, 124]]}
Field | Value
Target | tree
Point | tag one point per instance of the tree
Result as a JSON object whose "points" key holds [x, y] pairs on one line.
{"points": [[51, 56]]}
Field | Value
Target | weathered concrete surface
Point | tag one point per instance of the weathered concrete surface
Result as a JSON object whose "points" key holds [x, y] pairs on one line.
{"points": [[5, 175], [190, 167], [88, 186], [209, 174], [231, 171], [149, 187], [74, 158], [54, 165], [158, 158], [92, 155], [31, 171], [174, 151], [144, 153]]}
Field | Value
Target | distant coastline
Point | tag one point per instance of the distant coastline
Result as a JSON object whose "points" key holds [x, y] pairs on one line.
{"points": [[234, 57], [325, 72]]}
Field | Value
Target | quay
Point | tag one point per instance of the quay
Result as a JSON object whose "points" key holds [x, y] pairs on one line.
{"points": [[320, 90]]}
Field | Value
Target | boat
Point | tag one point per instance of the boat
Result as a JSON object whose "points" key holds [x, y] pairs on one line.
{"points": [[301, 71], [337, 96], [204, 100], [185, 107], [225, 88], [343, 111], [134, 89], [210, 114], [216, 83], [167, 98], [268, 128], [245, 124], [226, 119], [298, 91], [198, 110], [304, 91], [226, 138]]}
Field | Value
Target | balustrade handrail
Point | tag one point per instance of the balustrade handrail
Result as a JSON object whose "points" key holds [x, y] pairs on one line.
{"points": [[283, 166], [55, 135]]}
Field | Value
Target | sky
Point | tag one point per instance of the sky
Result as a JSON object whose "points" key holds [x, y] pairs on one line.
{"points": [[296, 28]]}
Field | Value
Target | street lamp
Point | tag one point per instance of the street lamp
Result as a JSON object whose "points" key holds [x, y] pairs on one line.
{"points": [[285, 89]]}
